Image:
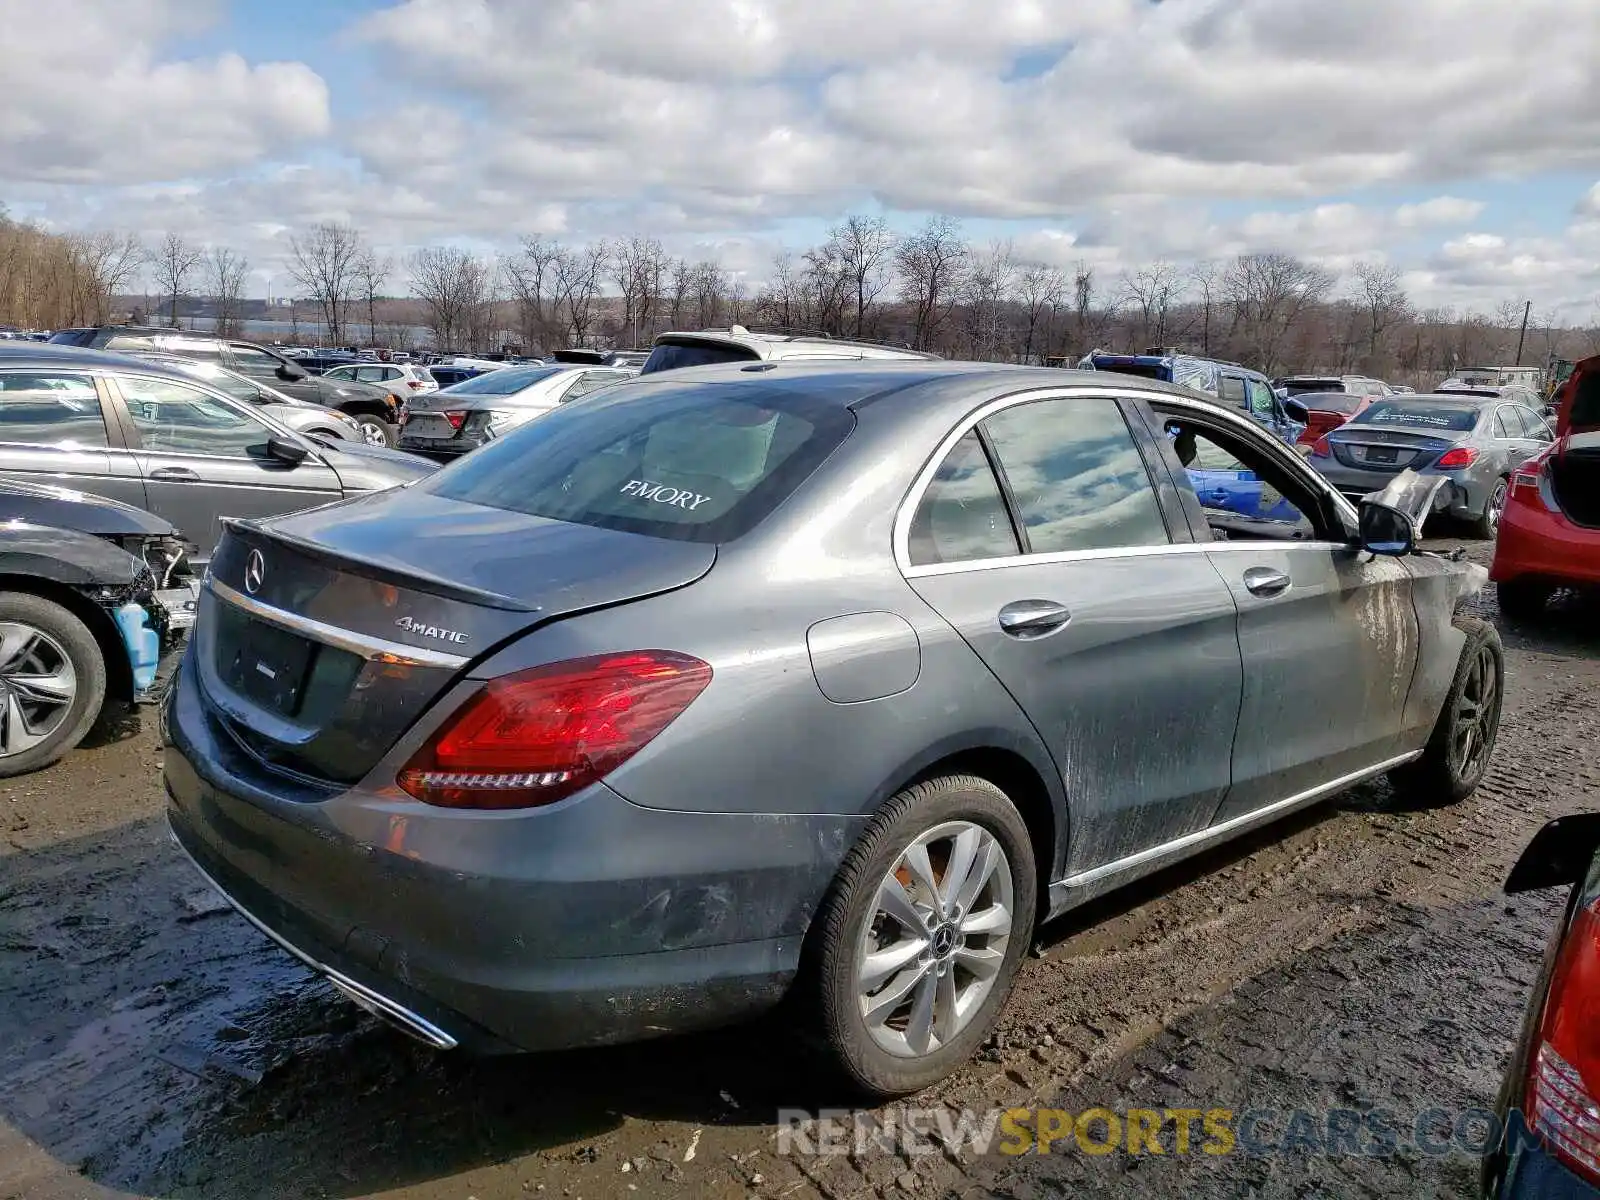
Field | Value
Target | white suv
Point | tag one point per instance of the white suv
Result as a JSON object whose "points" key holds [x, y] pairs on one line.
{"points": [[400, 380], [738, 344]]}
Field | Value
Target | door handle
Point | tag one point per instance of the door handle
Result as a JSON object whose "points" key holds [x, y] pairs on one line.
{"points": [[175, 474], [1033, 618], [1265, 581]]}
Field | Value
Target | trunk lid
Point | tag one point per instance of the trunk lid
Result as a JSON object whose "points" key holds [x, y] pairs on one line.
{"points": [[1578, 405], [324, 635], [1371, 448]]}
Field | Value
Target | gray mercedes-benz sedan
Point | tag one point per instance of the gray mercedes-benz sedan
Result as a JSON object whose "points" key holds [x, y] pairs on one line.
{"points": [[825, 681], [1473, 440]]}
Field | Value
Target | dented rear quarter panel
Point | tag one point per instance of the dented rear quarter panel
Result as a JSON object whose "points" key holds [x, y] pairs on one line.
{"points": [[1439, 589]]}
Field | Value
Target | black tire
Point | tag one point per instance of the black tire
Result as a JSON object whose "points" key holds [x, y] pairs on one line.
{"points": [[81, 649], [1487, 523], [374, 427], [1523, 599], [1451, 767], [827, 991]]}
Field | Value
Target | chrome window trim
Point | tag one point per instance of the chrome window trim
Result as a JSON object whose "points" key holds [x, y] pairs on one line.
{"points": [[1240, 423], [364, 645]]}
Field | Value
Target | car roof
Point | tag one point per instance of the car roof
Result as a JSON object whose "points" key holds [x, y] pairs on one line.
{"points": [[773, 343], [45, 354]]}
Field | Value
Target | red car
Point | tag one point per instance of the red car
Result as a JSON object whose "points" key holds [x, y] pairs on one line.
{"points": [[1550, 530]]}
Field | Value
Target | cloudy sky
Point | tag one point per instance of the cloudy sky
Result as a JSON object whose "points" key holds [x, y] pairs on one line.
{"points": [[1458, 138]]}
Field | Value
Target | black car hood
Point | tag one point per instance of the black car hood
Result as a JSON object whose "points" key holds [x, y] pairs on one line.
{"points": [[63, 508], [67, 556]]}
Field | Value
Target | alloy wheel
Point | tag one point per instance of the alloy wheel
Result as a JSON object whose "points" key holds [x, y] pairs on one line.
{"points": [[1496, 505], [39, 685], [936, 941], [1477, 714], [373, 435]]}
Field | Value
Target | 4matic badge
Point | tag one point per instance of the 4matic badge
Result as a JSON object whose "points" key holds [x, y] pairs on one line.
{"points": [[430, 631]]}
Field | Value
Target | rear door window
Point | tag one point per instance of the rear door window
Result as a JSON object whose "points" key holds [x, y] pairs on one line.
{"points": [[962, 516], [253, 361], [690, 462], [1076, 476], [1231, 389], [1505, 424], [49, 408]]}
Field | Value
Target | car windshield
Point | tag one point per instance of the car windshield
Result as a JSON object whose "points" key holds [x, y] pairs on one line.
{"points": [[502, 382], [669, 356], [689, 462], [1301, 387], [1457, 418]]}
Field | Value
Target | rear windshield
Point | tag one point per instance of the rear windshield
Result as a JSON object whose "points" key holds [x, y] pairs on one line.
{"points": [[1426, 416], [1132, 367], [501, 382], [669, 356], [1301, 387], [1335, 402], [73, 337], [689, 462]]}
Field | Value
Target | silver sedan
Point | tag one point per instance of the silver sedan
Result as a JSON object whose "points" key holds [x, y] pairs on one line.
{"points": [[460, 418], [1473, 439]]}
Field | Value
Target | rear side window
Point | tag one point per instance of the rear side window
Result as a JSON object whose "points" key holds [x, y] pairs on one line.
{"points": [[1231, 389], [670, 356], [1076, 476], [689, 462], [962, 516], [44, 408]]}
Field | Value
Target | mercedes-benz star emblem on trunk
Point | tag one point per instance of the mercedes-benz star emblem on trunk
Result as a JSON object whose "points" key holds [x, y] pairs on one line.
{"points": [[255, 570]]}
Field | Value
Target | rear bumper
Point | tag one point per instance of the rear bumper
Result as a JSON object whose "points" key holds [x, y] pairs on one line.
{"points": [[1460, 497], [588, 922], [1534, 543], [1532, 1173]]}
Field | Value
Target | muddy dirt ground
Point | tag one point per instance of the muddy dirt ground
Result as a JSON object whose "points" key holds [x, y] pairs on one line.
{"points": [[1358, 956]]}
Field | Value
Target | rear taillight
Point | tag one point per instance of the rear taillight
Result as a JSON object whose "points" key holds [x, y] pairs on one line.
{"points": [[540, 735], [455, 416], [1528, 479], [1461, 456], [1564, 1073], [416, 385], [1320, 448]]}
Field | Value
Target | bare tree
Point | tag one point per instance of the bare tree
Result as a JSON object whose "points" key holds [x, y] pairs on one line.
{"points": [[323, 262], [986, 289], [1153, 289], [636, 269], [578, 277], [1206, 276], [864, 248], [532, 276], [1268, 293], [682, 285], [174, 262], [1040, 290], [1383, 301], [225, 275], [930, 263], [711, 292], [827, 286], [370, 273], [1083, 305], [453, 285], [109, 260]]}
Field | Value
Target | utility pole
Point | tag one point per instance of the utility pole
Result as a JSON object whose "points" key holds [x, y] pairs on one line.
{"points": [[1521, 337]]}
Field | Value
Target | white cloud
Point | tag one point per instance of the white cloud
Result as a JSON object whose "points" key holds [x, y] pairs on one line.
{"points": [[1120, 125], [87, 100]]}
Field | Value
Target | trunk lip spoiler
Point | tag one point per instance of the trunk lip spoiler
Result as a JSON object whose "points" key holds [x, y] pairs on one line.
{"points": [[364, 645], [368, 568]]}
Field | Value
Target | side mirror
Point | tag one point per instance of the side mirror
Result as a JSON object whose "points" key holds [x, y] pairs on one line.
{"points": [[1386, 530], [290, 374], [1296, 411], [285, 451]]}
